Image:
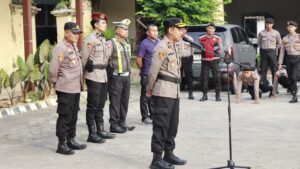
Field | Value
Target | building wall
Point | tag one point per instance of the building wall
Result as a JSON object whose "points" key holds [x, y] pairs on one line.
{"points": [[117, 10], [11, 35], [281, 11]]}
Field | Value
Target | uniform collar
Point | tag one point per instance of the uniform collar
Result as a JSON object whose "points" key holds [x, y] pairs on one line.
{"points": [[293, 35], [99, 34], [168, 40], [68, 44]]}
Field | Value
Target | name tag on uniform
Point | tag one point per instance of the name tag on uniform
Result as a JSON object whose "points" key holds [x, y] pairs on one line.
{"points": [[172, 53], [71, 53]]}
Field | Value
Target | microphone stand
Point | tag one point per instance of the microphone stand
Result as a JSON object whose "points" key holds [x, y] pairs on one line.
{"points": [[230, 162]]}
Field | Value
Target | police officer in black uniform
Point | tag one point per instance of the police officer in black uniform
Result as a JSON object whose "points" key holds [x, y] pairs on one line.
{"points": [[66, 75], [94, 61], [187, 62], [164, 87]]}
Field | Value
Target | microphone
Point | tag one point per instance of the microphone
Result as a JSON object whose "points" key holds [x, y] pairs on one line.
{"points": [[195, 45]]}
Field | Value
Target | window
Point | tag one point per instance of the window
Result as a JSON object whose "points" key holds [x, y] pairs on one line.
{"points": [[245, 37], [234, 35]]}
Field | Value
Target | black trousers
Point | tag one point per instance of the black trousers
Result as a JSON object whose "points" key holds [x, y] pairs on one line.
{"points": [[268, 59], [67, 109], [97, 95], [252, 92], [293, 70], [165, 124], [186, 68], [206, 66], [119, 90], [146, 106]]}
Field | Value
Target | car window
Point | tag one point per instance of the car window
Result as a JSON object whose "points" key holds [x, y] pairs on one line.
{"points": [[245, 37], [234, 36], [242, 37]]}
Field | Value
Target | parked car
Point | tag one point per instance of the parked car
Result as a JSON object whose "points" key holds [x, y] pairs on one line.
{"points": [[233, 38]]}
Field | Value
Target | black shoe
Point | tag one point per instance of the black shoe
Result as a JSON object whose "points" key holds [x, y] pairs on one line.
{"points": [[172, 159], [93, 137], [117, 129], [191, 97], [75, 145], [161, 164], [204, 97], [63, 148], [218, 98], [127, 127], [147, 121], [104, 134], [294, 99]]}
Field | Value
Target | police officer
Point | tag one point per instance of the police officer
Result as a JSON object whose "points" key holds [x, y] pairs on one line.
{"points": [[281, 77], [187, 62], [250, 78], [291, 45], [66, 76], [119, 51], [143, 61], [164, 87], [269, 41], [94, 61], [213, 45]]}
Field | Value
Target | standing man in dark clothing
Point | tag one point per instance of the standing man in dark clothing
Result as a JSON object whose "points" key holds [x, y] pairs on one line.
{"points": [[187, 62], [143, 61], [213, 45], [164, 87], [269, 41], [119, 51], [291, 45], [94, 61], [65, 73]]}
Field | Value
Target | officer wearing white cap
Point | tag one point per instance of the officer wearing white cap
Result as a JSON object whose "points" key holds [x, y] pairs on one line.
{"points": [[65, 73], [164, 87], [291, 46], [119, 51]]}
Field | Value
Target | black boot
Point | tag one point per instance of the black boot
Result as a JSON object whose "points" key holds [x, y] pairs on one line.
{"points": [[93, 137], [218, 98], [204, 97], [294, 99], [127, 127], [271, 91], [159, 163], [63, 148], [191, 97], [171, 158], [117, 129], [75, 145], [104, 134]]}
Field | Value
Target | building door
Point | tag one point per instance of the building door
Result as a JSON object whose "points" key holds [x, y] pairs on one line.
{"points": [[46, 22]]}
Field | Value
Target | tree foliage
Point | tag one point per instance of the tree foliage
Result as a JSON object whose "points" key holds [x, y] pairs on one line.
{"points": [[190, 11]]}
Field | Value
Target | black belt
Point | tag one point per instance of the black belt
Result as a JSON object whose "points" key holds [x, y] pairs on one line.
{"points": [[293, 56], [168, 78], [101, 67], [186, 58]]}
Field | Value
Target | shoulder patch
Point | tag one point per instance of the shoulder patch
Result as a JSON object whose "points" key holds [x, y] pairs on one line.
{"points": [[60, 57], [108, 44], [162, 54]]}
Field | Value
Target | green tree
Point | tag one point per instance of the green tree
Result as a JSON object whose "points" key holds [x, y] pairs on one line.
{"points": [[191, 11]]}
